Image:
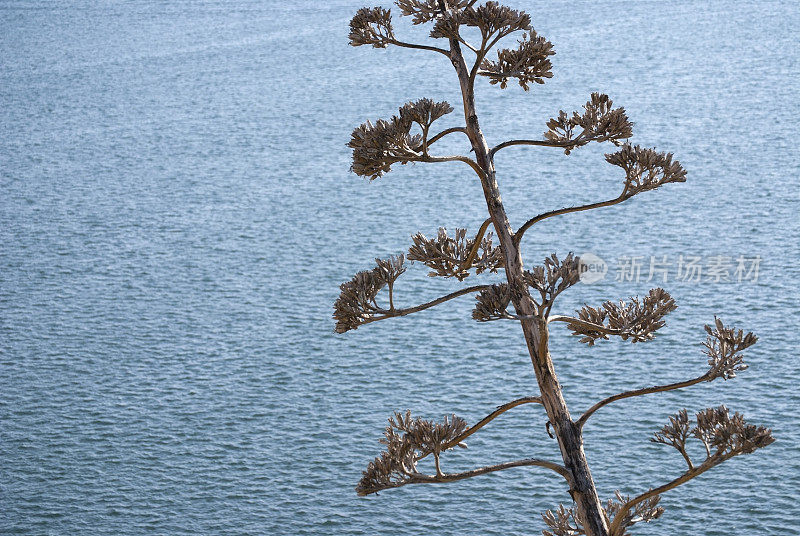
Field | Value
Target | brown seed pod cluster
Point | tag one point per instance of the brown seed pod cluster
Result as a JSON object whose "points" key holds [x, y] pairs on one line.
{"points": [[528, 63], [723, 346], [565, 521], [599, 122], [356, 303], [377, 146], [455, 256], [553, 277], [722, 435], [637, 320], [407, 440], [423, 11], [492, 303], [371, 26], [645, 169]]}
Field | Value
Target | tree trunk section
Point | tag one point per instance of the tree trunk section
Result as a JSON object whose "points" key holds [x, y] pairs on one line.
{"points": [[570, 440]]}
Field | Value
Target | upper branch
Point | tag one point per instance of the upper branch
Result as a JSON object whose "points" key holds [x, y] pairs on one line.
{"points": [[373, 26], [489, 418], [599, 122], [645, 170], [376, 147], [638, 392], [531, 222], [357, 304]]}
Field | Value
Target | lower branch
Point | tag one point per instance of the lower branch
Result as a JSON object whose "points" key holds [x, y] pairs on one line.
{"points": [[421, 478], [615, 528]]}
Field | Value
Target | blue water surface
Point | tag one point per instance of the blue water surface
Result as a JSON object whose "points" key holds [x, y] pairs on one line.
{"points": [[176, 214]]}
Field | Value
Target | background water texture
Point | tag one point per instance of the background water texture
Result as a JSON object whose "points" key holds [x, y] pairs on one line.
{"points": [[176, 214]]}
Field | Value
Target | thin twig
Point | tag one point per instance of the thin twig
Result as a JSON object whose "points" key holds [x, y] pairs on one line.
{"points": [[403, 312], [475, 246], [444, 133]]}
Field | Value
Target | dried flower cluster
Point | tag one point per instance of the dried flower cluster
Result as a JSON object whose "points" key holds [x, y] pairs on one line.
{"points": [[492, 303], [645, 169], [407, 440], [565, 521], [424, 112], [723, 347], [494, 21], [722, 435], [377, 146], [529, 62], [637, 320], [356, 303], [599, 122], [454, 257], [553, 278], [427, 10], [644, 511], [371, 26], [562, 522]]}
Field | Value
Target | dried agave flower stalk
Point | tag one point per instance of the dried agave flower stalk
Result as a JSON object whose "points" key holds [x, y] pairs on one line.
{"points": [[524, 296]]}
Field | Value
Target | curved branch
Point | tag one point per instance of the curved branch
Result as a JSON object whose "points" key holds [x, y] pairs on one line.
{"points": [[540, 143], [444, 133], [614, 529], [419, 47], [403, 312], [489, 418], [475, 246], [528, 224], [470, 162], [638, 392]]}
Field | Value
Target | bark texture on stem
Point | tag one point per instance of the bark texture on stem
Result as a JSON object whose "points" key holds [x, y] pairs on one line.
{"points": [[569, 436]]}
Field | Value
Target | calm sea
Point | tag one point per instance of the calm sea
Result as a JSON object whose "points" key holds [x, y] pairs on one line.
{"points": [[176, 214]]}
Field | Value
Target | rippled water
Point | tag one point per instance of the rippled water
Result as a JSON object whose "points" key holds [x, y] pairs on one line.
{"points": [[176, 214]]}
